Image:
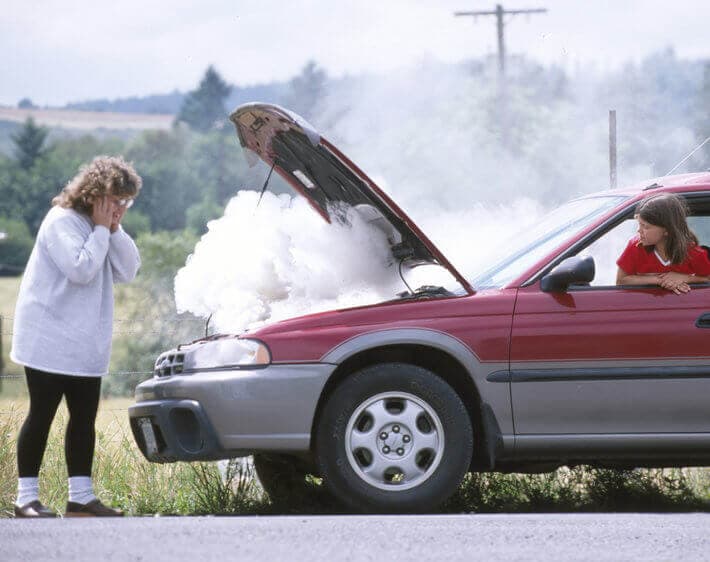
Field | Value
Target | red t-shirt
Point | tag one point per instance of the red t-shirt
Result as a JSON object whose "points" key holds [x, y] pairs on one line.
{"points": [[637, 259]]}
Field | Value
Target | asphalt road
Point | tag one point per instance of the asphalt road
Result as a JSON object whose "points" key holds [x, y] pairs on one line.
{"points": [[376, 538]]}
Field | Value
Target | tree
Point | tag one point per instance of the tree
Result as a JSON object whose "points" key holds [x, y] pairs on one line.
{"points": [[15, 246], [203, 108], [26, 103], [29, 143], [307, 90], [169, 184]]}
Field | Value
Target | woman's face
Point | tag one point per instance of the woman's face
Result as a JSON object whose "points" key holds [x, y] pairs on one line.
{"points": [[650, 234]]}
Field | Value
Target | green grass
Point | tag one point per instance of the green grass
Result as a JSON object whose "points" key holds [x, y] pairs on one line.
{"points": [[123, 478], [9, 286]]}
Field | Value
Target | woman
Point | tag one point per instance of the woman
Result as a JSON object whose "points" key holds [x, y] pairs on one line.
{"points": [[665, 252], [63, 324]]}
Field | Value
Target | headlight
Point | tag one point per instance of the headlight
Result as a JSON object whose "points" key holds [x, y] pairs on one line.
{"points": [[226, 353]]}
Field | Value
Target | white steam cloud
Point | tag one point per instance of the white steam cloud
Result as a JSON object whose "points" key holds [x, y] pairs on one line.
{"points": [[279, 260]]}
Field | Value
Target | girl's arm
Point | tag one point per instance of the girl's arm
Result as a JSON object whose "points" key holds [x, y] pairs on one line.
{"points": [[623, 278], [675, 282], [683, 277]]}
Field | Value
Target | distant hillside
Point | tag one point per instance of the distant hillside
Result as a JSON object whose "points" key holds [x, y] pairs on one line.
{"points": [[160, 103], [87, 120], [274, 92], [65, 123]]}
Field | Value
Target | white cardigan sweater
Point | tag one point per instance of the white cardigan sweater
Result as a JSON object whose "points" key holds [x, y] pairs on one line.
{"points": [[64, 313]]}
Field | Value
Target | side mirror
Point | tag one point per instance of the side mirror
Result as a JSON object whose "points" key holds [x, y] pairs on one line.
{"points": [[571, 271]]}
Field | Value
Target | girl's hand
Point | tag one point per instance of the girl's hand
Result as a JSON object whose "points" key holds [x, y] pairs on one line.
{"points": [[676, 282], [102, 212]]}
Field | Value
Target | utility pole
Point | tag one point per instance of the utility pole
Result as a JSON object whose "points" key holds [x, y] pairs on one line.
{"points": [[612, 148], [500, 13]]}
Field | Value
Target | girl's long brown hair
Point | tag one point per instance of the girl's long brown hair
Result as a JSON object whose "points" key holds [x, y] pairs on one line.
{"points": [[104, 175], [669, 211]]}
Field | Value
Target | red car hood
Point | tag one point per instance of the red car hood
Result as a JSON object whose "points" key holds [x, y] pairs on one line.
{"points": [[328, 179]]}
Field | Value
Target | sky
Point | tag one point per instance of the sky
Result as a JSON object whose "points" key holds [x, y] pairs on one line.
{"points": [[59, 51]]}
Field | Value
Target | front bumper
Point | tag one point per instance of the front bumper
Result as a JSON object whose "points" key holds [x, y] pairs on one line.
{"points": [[174, 430], [224, 414]]}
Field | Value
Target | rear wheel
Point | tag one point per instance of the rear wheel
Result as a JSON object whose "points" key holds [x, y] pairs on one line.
{"points": [[394, 438]]}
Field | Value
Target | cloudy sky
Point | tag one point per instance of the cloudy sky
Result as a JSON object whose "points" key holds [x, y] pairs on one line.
{"points": [[56, 51]]}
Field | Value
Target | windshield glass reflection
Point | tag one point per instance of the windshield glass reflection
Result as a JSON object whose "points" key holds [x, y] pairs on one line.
{"points": [[533, 244]]}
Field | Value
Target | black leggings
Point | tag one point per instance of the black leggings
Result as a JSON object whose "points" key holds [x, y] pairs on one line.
{"points": [[46, 391]]}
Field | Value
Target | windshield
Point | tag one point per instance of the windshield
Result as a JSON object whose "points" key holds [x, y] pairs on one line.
{"points": [[532, 245]]}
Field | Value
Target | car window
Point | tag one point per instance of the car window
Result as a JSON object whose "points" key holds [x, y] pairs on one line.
{"points": [[526, 248], [701, 226], [606, 249]]}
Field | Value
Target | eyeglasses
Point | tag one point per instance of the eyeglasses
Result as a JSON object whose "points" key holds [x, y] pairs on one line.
{"points": [[127, 203]]}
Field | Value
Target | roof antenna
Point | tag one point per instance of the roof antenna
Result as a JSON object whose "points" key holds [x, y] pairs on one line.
{"points": [[268, 177], [702, 144]]}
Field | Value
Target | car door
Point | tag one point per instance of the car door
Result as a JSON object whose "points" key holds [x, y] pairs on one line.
{"points": [[610, 360]]}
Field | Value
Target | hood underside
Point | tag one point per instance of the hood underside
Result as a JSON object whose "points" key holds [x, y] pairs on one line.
{"points": [[330, 181]]}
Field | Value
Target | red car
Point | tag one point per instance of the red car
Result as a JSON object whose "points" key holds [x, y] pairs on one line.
{"points": [[539, 362]]}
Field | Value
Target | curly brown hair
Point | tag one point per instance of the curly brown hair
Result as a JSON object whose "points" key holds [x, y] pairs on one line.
{"points": [[103, 176]]}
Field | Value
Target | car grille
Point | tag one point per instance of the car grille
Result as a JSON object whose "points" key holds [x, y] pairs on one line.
{"points": [[169, 364]]}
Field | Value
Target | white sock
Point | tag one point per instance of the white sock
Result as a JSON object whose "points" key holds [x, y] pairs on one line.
{"points": [[27, 490], [80, 489]]}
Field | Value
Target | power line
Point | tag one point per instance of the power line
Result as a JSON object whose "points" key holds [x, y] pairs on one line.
{"points": [[500, 13]]}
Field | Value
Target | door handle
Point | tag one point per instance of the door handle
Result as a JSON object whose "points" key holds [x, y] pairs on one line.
{"points": [[703, 321]]}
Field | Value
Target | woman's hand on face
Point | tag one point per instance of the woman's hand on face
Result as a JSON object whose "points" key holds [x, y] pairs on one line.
{"points": [[102, 212], [116, 217], [676, 282]]}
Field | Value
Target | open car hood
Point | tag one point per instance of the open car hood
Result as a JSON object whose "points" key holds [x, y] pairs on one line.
{"points": [[328, 179]]}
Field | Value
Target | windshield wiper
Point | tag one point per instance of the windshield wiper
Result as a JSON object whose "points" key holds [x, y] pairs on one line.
{"points": [[426, 292]]}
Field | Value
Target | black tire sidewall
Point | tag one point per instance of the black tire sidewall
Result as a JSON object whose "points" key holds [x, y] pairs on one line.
{"points": [[332, 459]]}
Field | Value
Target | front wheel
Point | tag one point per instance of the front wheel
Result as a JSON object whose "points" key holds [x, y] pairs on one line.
{"points": [[394, 438]]}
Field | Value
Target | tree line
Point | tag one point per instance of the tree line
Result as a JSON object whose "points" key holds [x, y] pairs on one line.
{"points": [[189, 172]]}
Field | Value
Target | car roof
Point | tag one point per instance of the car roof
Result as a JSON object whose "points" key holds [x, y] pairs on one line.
{"points": [[681, 182]]}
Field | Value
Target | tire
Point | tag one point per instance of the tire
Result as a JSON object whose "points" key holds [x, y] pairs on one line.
{"points": [[393, 438], [284, 478]]}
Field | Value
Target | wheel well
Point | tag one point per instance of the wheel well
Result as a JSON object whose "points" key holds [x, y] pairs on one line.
{"points": [[435, 360]]}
